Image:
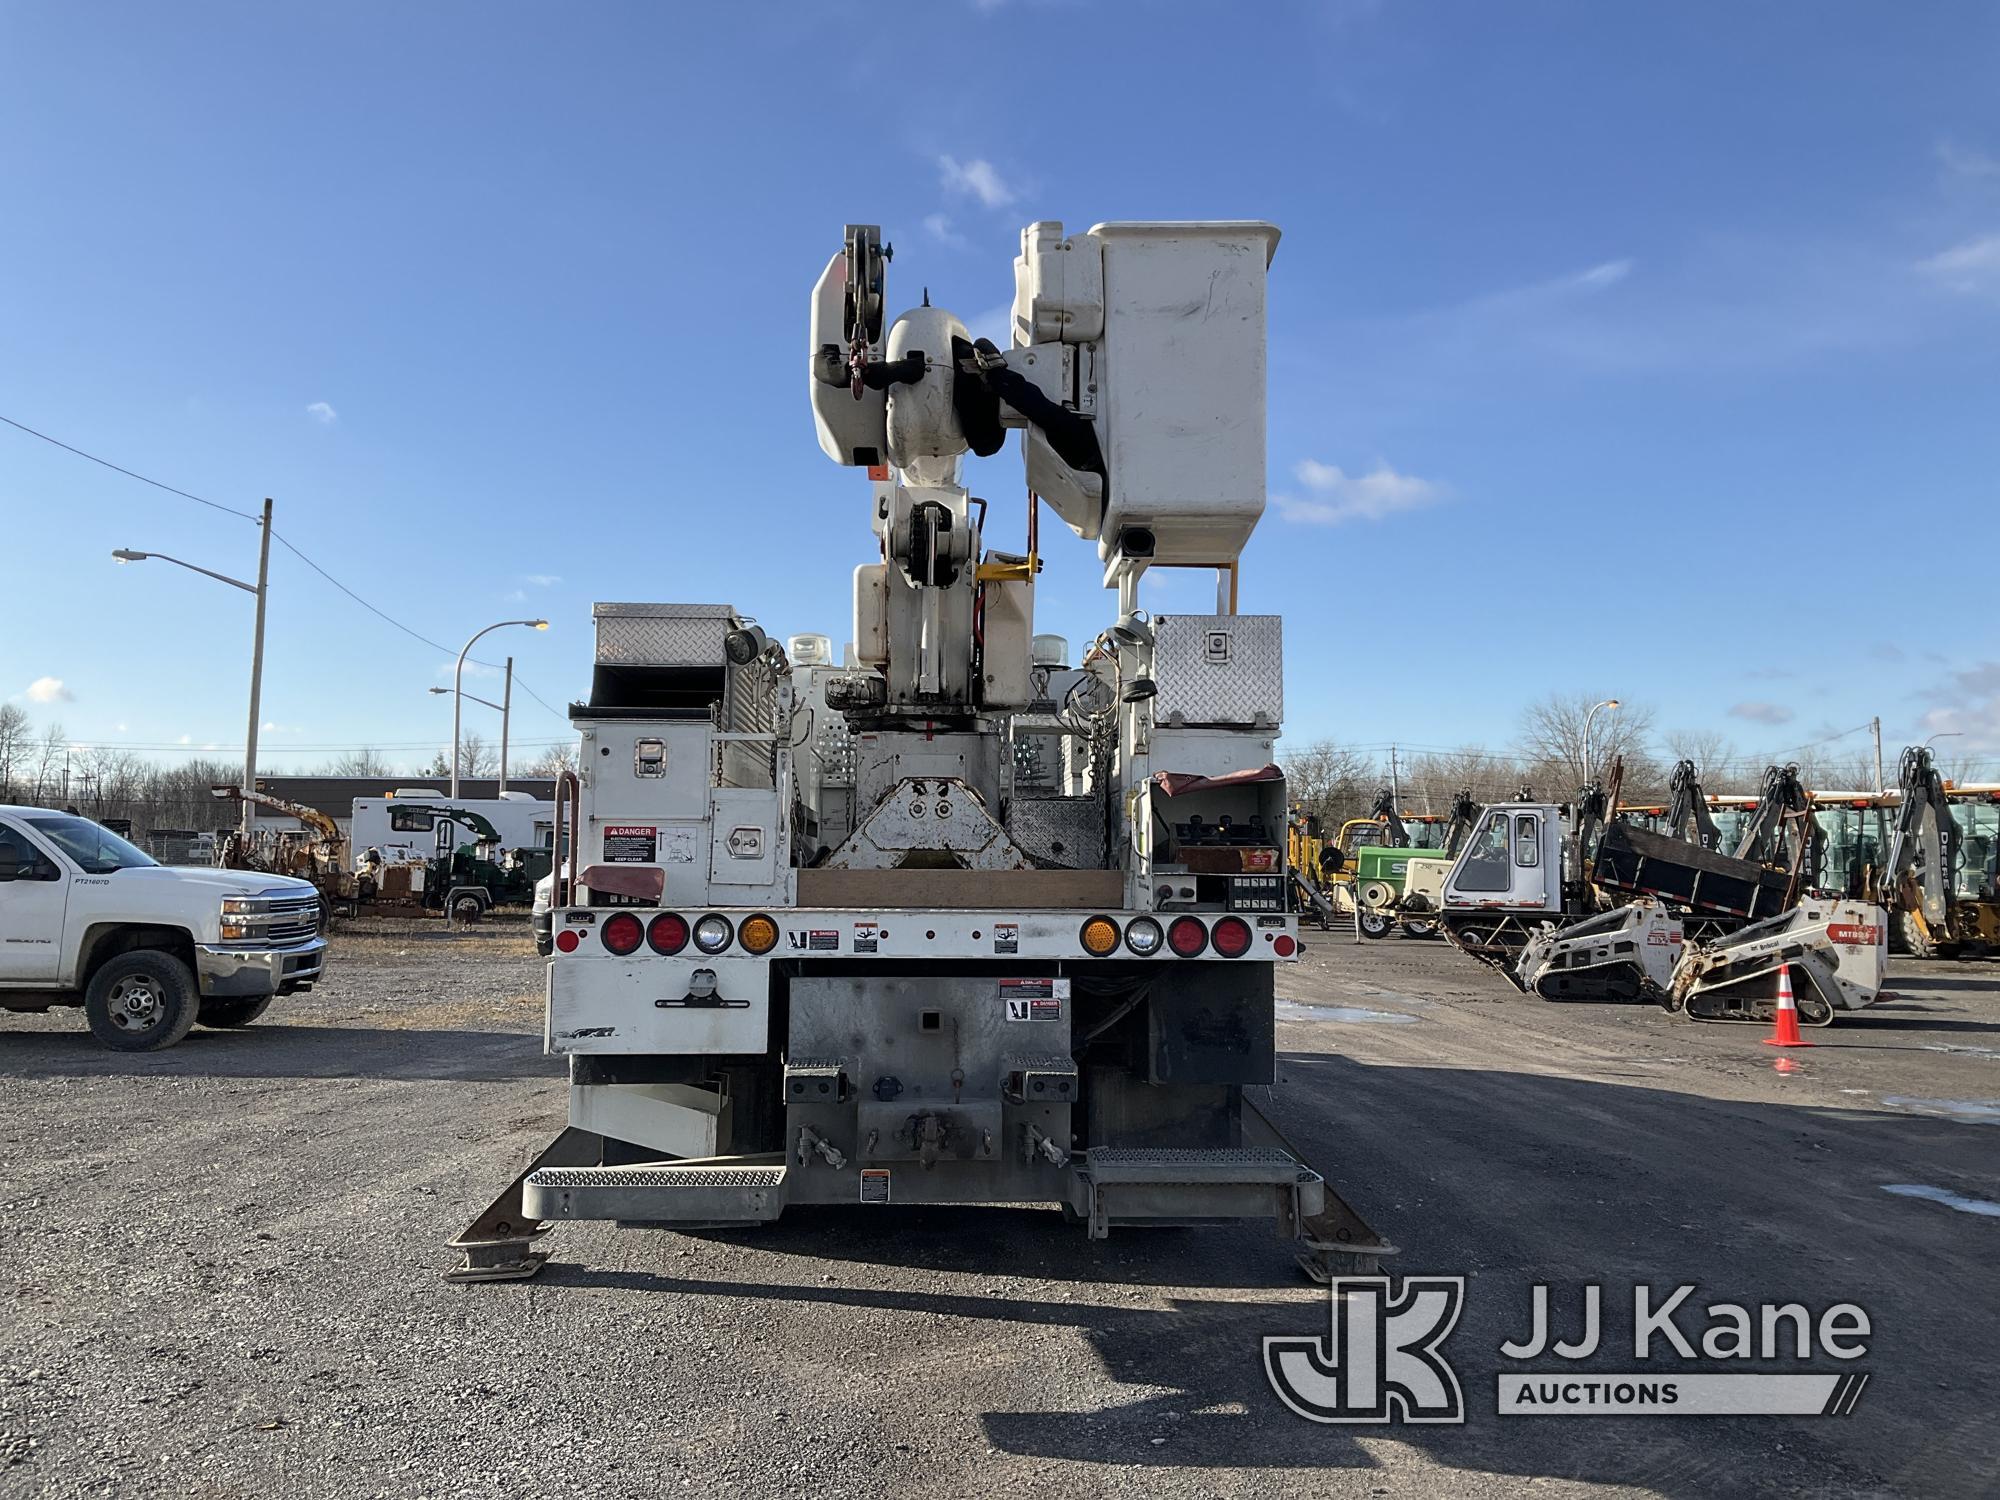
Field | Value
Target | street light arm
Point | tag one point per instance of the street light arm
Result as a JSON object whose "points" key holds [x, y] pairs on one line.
{"points": [[124, 554], [474, 697]]}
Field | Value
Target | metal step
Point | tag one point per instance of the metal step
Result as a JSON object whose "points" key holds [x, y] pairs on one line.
{"points": [[659, 1192], [1113, 1185]]}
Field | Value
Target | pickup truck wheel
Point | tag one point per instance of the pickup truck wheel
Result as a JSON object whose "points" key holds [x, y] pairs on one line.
{"points": [[141, 1002], [233, 1012]]}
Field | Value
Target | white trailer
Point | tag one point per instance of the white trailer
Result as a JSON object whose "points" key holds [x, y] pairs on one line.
{"points": [[956, 922], [418, 824]]}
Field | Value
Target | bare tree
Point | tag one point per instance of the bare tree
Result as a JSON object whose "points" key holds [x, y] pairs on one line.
{"points": [[51, 762], [551, 762], [366, 761], [15, 739], [1551, 742], [475, 756], [1331, 781]]}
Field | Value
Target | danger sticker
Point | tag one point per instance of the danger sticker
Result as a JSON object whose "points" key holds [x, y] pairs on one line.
{"points": [[1034, 999], [631, 844], [823, 940], [874, 1184], [1006, 937], [1855, 935]]}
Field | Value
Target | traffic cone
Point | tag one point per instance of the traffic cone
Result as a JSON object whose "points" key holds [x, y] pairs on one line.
{"points": [[1785, 1033]]}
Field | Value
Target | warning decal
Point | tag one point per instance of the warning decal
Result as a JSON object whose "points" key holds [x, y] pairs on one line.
{"points": [[874, 1184], [1006, 937], [865, 935], [1034, 999], [631, 844]]}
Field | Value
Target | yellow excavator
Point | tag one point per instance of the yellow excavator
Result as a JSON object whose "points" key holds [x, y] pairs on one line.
{"points": [[318, 852]]}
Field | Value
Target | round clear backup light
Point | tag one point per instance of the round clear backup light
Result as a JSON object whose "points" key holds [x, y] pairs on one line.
{"points": [[712, 933], [1143, 936]]}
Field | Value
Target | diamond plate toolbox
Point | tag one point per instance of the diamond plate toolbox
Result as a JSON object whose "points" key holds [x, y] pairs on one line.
{"points": [[1219, 669], [661, 635]]}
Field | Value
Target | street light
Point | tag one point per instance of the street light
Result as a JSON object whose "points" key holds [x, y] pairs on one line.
{"points": [[458, 688], [1607, 703], [505, 708], [261, 590]]}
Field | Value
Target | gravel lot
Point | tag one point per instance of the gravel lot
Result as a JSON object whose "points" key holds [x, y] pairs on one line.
{"points": [[222, 1261]]}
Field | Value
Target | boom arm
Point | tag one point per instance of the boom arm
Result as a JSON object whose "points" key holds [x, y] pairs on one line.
{"points": [[1688, 817], [1926, 832], [312, 817], [1395, 835]]}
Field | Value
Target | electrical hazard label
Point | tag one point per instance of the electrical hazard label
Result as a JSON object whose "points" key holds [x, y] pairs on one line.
{"points": [[874, 1184], [630, 844], [1034, 999]]}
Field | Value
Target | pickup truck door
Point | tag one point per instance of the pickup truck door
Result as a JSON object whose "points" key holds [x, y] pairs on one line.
{"points": [[34, 894]]}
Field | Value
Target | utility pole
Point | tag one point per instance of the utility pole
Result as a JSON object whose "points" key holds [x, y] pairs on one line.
{"points": [[506, 706], [1876, 725], [1395, 791], [256, 675]]}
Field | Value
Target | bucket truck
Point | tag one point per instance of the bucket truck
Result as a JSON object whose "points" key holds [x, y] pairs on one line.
{"points": [[848, 935]]}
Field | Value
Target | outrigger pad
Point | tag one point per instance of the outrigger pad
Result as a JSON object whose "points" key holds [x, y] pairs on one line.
{"points": [[495, 1246]]}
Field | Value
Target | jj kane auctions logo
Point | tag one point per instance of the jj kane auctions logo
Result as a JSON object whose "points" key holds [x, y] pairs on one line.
{"points": [[1382, 1359]]}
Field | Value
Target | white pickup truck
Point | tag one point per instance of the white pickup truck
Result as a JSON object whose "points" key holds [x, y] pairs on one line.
{"points": [[147, 951]]}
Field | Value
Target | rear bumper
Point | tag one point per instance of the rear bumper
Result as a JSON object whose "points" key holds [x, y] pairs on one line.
{"points": [[235, 973]]}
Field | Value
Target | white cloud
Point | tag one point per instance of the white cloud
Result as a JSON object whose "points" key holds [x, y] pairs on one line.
{"points": [[1972, 267], [1966, 161], [187, 739], [1338, 496], [543, 580], [995, 324], [938, 227], [322, 413], [49, 690], [472, 669], [1760, 712], [976, 178], [1969, 706], [1609, 273]]}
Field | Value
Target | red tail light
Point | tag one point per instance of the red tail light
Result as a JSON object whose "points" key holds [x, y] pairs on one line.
{"points": [[1231, 937], [1187, 936], [567, 940], [668, 933], [622, 933]]}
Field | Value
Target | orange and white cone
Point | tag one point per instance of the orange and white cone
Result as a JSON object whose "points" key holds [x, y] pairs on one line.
{"points": [[1785, 1033]]}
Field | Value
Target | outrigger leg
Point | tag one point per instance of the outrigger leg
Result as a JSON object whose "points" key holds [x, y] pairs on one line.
{"points": [[496, 1245], [1336, 1241]]}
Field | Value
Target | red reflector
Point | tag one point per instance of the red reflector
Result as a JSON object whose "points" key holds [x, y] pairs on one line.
{"points": [[1283, 946], [1187, 936], [567, 940], [622, 933], [668, 933], [1231, 937]]}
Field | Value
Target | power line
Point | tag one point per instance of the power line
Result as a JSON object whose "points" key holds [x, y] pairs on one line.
{"points": [[288, 545], [128, 473]]}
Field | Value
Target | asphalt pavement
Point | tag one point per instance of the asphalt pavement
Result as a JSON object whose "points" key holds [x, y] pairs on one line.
{"points": [[221, 1262]]}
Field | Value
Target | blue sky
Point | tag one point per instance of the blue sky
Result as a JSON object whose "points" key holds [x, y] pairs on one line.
{"points": [[1648, 352]]}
